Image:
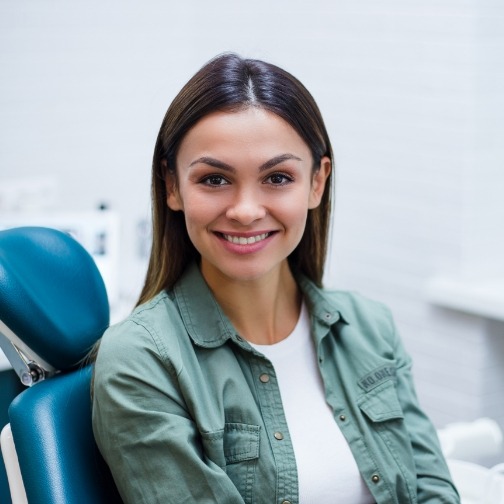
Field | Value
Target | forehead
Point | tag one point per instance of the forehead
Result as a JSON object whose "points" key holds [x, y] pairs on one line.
{"points": [[251, 132]]}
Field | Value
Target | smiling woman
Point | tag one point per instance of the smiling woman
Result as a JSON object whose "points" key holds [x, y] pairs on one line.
{"points": [[238, 378]]}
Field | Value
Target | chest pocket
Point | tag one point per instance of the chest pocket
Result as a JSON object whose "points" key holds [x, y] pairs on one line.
{"points": [[236, 450], [241, 442], [381, 404], [235, 443]]}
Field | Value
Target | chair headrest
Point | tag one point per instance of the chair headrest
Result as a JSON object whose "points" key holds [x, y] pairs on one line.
{"points": [[52, 296]]}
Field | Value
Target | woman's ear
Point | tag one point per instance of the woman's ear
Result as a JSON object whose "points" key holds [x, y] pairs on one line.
{"points": [[319, 182], [173, 199]]}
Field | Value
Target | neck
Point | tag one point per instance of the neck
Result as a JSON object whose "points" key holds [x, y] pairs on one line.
{"points": [[263, 311]]}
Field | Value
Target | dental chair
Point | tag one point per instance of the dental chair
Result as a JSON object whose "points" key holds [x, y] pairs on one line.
{"points": [[53, 308]]}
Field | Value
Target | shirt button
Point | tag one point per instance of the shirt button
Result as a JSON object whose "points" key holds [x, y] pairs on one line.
{"points": [[264, 378], [278, 435], [375, 478], [239, 338], [286, 502], [342, 418]]}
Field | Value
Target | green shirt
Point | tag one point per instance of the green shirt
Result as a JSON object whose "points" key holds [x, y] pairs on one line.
{"points": [[186, 411]]}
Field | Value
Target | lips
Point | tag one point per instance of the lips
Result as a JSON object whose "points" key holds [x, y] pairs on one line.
{"points": [[245, 240]]}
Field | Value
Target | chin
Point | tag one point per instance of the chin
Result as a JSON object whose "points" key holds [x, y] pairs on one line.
{"points": [[243, 271]]}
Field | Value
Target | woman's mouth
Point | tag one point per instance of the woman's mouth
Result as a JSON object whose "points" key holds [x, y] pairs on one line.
{"points": [[245, 240]]}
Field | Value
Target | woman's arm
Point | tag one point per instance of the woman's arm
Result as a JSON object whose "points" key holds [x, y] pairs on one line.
{"points": [[143, 429], [434, 484]]}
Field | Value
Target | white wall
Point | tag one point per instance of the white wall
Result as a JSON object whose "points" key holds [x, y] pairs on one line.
{"points": [[411, 93]]}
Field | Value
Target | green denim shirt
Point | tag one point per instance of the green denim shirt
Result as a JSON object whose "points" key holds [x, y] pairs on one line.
{"points": [[186, 411]]}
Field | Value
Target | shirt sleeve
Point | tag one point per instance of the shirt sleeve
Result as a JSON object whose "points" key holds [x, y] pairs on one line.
{"points": [[143, 430], [434, 484]]}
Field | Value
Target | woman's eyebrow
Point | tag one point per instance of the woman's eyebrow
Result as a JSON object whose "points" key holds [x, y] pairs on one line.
{"points": [[277, 160], [215, 163]]}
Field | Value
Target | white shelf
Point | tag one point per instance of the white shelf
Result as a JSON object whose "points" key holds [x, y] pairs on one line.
{"points": [[484, 298]]}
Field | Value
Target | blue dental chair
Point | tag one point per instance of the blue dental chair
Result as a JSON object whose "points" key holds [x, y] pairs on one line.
{"points": [[53, 308]]}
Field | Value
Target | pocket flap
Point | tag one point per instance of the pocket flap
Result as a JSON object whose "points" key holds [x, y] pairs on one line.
{"points": [[381, 404], [241, 442]]}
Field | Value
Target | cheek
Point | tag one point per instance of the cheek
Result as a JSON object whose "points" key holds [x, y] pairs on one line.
{"points": [[294, 207], [199, 211], [293, 216]]}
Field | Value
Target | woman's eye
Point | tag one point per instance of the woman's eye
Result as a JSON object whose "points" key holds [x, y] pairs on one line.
{"points": [[214, 180], [278, 179]]}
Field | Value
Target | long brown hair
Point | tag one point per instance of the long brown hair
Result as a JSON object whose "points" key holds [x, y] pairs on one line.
{"points": [[230, 83]]}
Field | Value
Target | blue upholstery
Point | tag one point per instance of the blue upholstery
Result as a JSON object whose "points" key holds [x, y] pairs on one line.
{"points": [[51, 294], [59, 460], [53, 298]]}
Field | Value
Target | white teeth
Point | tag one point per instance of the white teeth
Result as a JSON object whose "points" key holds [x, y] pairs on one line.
{"points": [[241, 240]]}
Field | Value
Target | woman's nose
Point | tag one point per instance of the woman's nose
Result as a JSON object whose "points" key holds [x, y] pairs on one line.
{"points": [[246, 208]]}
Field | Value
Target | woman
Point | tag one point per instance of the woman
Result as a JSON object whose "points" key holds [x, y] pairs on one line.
{"points": [[238, 379]]}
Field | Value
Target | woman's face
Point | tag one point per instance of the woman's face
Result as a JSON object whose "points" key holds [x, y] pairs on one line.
{"points": [[245, 183]]}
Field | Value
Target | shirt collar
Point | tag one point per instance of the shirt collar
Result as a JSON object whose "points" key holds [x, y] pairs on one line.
{"points": [[202, 316], [209, 327], [322, 305]]}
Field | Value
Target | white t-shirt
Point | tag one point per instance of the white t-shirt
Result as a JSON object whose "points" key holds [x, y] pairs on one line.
{"points": [[327, 470]]}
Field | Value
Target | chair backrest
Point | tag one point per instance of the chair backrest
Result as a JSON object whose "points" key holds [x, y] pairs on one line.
{"points": [[53, 308]]}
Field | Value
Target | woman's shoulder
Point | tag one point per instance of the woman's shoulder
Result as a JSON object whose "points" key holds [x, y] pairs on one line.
{"points": [[141, 350], [357, 304], [152, 325], [365, 316], [352, 306]]}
